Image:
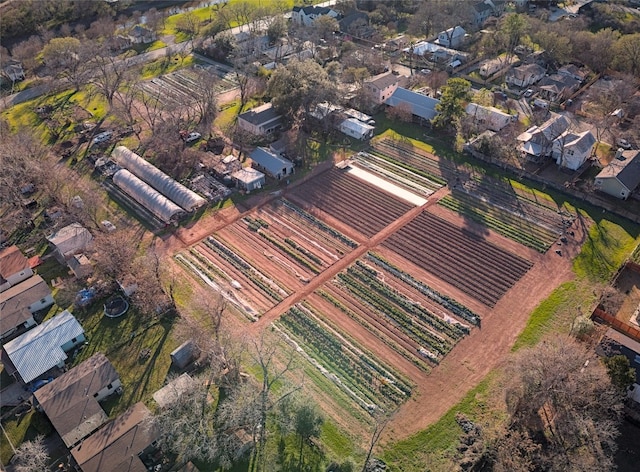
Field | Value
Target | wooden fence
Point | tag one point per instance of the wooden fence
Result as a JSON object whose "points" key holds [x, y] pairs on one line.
{"points": [[620, 326]]}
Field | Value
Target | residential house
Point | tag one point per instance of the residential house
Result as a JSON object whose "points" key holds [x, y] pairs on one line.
{"points": [[174, 390], [260, 121], [490, 117], [481, 11], [491, 66], [381, 87], [119, 446], [451, 38], [357, 24], [39, 350], [422, 107], [71, 400], [573, 71], [249, 44], [70, 240], [20, 302], [356, 129], [397, 43], [14, 267], [525, 75], [141, 35], [305, 16], [435, 52], [184, 354], [537, 141], [571, 150], [558, 87], [248, 179], [274, 165], [622, 176]]}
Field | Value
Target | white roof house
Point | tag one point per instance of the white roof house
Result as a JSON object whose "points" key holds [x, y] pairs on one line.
{"points": [[452, 37], [571, 150], [491, 117], [43, 347], [248, 178], [70, 240], [537, 141]]}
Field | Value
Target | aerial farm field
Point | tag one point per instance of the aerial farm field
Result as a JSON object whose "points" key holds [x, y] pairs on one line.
{"points": [[391, 275]]}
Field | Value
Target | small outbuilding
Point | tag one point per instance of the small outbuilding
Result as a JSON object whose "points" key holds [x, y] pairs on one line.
{"points": [[490, 117], [248, 179], [174, 390], [69, 241], [81, 266], [184, 354], [14, 267], [356, 129]]}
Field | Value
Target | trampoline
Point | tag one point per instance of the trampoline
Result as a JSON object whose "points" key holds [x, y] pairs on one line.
{"points": [[115, 307]]}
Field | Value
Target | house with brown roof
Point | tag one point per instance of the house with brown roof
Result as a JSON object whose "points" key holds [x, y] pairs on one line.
{"points": [[622, 176], [71, 401], [20, 302], [119, 446], [14, 267], [380, 87]]}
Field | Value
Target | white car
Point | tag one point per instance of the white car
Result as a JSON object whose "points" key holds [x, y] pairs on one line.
{"points": [[108, 225], [102, 137], [528, 93], [623, 143], [191, 137]]}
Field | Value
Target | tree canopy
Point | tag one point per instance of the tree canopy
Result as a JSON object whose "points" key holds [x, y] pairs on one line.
{"points": [[455, 94]]}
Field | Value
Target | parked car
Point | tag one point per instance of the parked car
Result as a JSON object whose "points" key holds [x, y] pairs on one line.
{"points": [[425, 71], [191, 137], [108, 225], [623, 143], [528, 93], [102, 137]]}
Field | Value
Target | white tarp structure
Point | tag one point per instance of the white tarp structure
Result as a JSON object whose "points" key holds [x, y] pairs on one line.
{"points": [[170, 188], [357, 129], [163, 208]]}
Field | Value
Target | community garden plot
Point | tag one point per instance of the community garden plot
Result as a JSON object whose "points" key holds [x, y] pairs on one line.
{"points": [[182, 86], [369, 381], [263, 258], [351, 201], [493, 203], [465, 260]]}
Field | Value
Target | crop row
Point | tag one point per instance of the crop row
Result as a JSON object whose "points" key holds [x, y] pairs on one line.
{"points": [[445, 301], [398, 174], [300, 259], [352, 201], [371, 383], [503, 222], [475, 266], [263, 282], [320, 224], [414, 159]]}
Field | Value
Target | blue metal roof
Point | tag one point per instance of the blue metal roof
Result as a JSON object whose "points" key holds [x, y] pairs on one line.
{"points": [[421, 105], [271, 162]]}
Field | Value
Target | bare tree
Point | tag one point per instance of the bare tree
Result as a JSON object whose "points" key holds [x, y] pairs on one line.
{"points": [[110, 73], [27, 52], [561, 392], [31, 456], [114, 254], [381, 420]]}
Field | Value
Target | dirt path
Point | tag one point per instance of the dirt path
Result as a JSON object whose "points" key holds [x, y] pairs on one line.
{"points": [[343, 263]]}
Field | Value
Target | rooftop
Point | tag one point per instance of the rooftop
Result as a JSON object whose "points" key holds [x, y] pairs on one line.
{"points": [[247, 175], [69, 401], [12, 261], [382, 81], [625, 168], [260, 115], [421, 105], [22, 295], [116, 446], [270, 161], [173, 390], [38, 350], [71, 238]]}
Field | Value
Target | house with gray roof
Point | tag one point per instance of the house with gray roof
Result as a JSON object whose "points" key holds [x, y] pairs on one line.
{"points": [[525, 75], [622, 176], [422, 107], [451, 38], [558, 87], [307, 15], [571, 150], [270, 163], [537, 141], [71, 400], [260, 121], [70, 240], [44, 347]]}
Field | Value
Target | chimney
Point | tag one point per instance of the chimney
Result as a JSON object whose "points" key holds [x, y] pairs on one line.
{"points": [[619, 154]]}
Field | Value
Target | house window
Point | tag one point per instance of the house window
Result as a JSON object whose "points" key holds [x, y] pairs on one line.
{"points": [[109, 387], [95, 395], [44, 300], [74, 340]]}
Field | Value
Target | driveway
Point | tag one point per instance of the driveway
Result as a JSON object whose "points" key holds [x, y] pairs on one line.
{"points": [[13, 395]]}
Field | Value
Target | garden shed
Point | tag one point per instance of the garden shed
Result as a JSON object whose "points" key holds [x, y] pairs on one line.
{"points": [[357, 129], [184, 354], [274, 165], [170, 188], [248, 179], [163, 208]]}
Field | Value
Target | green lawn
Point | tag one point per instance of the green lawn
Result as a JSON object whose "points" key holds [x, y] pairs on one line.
{"points": [[22, 429], [164, 66]]}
